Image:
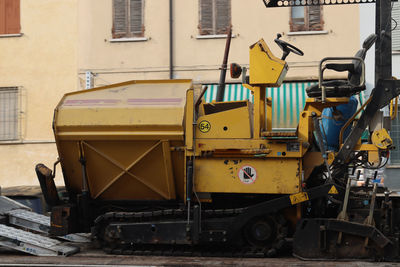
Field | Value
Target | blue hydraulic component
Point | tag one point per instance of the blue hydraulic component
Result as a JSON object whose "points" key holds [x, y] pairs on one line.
{"points": [[333, 120]]}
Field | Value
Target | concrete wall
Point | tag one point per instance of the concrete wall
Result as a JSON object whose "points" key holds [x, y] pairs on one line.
{"points": [[43, 62]]}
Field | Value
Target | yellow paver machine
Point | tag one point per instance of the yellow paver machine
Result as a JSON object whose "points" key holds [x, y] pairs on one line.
{"points": [[150, 168]]}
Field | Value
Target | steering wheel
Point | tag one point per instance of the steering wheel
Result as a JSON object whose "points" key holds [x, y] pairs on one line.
{"points": [[286, 47]]}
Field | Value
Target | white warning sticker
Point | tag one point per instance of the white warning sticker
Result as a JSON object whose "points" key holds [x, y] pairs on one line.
{"points": [[247, 174]]}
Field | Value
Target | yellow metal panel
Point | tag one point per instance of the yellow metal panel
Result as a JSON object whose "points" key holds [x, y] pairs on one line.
{"points": [[125, 130], [163, 117], [365, 147], [233, 123], [140, 174], [258, 110], [178, 167], [272, 176], [168, 174], [381, 139], [112, 134], [189, 120], [131, 106], [275, 148], [373, 158], [120, 170], [310, 160], [269, 114], [265, 68]]}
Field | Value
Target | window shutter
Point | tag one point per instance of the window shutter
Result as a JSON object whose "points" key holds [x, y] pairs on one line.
{"points": [[120, 18], [206, 17], [223, 16], [2, 16], [314, 18], [297, 21], [396, 32], [13, 16], [136, 17], [10, 17], [8, 113]]}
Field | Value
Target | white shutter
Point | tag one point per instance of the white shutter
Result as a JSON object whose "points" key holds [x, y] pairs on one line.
{"points": [[136, 17], [223, 16], [396, 32], [119, 18], [206, 17]]}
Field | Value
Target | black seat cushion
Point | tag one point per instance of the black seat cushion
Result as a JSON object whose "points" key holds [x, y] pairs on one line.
{"points": [[335, 88]]}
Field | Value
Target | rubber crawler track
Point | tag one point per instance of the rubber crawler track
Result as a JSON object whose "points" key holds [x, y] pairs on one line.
{"points": [[209, 250]]}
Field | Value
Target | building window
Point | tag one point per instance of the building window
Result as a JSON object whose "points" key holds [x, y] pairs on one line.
{"points": [[306, 18], [215, 16], [9, 113], [128, 18], [395, 135], [396, 26], [9, 17]]}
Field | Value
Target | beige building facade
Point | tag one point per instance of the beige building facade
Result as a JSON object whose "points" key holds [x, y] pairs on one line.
{"points": [[199, 57], [61, 41], [38, 64]]}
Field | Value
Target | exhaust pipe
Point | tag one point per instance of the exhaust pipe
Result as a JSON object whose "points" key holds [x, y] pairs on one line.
{"points": [[221, 85]]}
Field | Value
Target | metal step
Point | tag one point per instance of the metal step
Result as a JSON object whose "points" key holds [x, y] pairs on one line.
{"points": [[39, 223], [33, 243], [16, 214], [30, 220], [7, 204]]}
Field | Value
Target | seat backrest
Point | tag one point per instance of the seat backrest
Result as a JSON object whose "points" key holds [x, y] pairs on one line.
{"points": [[355, 77]]}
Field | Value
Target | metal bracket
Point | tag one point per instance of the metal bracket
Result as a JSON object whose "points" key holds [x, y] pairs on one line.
{"points": [[385, 91]]}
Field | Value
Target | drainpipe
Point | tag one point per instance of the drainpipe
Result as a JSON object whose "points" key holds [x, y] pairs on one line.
{"points": [[171, 50]]}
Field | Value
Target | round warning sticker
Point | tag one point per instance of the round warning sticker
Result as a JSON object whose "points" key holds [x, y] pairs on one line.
{"points": [[247, 174], [204, 126]]}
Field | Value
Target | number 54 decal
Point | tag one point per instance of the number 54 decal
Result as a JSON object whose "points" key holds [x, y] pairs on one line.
{"points": [[204, 126]]}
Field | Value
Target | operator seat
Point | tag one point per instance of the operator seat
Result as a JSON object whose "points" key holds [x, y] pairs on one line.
{"points": [[349, 87]]}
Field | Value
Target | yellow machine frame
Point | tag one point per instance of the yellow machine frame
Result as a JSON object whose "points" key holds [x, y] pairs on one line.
{"points": [[276, 159]]}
